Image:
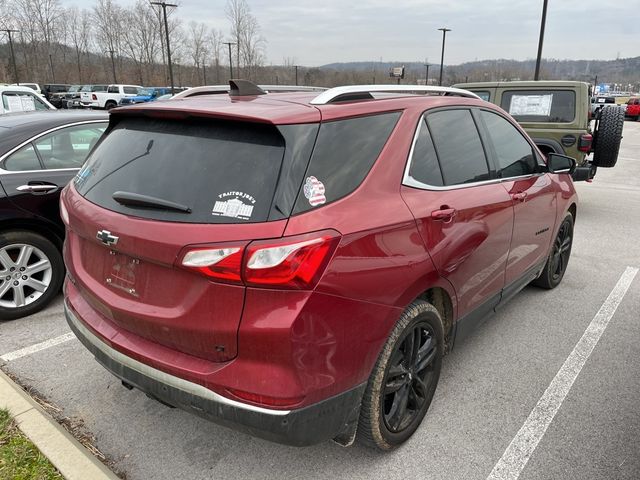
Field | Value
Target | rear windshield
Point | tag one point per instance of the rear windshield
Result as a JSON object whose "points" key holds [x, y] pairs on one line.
{"points": [[555, 106], [222, 172]]}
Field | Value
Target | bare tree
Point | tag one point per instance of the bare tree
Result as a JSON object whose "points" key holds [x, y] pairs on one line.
{"points": [[108, 18], [80, 34], [197, 39]]}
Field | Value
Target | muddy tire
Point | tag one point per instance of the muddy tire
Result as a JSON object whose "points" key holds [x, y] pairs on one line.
{"points": [[404, 379], [558, 259], [608, 136]]}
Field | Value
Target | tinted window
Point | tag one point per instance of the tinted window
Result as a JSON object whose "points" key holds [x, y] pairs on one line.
{"points": [[344, 153], [424, 162], [113, 90], [131, 90], [513, 152], [24, 159], [225, 172], [68, 147], [556, 106], [458, 146]]}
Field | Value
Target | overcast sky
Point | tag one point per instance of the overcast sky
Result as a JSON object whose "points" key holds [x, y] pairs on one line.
{"points": [[317, 32]]}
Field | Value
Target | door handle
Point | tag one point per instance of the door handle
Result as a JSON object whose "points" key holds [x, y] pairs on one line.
{"points": [[445, 214], [520, 196], [47, 187]]}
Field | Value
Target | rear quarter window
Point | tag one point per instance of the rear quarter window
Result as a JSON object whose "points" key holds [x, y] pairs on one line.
{"points": [[551, 106], [344, 153]]}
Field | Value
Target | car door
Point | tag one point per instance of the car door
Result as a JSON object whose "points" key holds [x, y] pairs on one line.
{"points": [[464, 215], [33, 174], [531, 190]]}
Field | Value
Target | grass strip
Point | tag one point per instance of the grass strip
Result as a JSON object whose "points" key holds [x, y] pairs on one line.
{"points": [[19, 458]]}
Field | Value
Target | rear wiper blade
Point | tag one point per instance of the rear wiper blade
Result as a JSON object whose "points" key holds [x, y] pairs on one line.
{"points": [[131, 199]]}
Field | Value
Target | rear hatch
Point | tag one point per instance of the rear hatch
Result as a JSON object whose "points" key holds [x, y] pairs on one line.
{"points": [[153, 190]]}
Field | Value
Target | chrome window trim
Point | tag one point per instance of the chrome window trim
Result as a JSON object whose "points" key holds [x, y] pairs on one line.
{"points": [[409, 181], [32, 139], [194, 389]]}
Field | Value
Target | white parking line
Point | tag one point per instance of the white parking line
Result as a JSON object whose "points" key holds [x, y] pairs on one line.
{"points": [[23, 352], [521, 448]]}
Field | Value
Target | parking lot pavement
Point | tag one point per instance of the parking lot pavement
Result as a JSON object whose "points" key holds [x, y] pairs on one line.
{"points": [[489, 386]]}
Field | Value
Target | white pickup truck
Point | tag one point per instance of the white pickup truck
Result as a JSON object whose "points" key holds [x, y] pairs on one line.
{"points": [[108, 99]]}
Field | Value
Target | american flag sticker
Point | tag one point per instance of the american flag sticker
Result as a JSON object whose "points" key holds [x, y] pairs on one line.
{"points": [[314, 191]]}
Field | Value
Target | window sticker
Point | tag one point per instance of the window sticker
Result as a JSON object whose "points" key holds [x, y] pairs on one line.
{"points": [[314, 191], [231, 204], [531, 105]]}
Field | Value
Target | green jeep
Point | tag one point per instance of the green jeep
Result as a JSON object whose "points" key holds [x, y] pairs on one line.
{"points": [[557, 115]]}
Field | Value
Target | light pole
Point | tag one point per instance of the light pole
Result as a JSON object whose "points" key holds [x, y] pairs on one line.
{"points": [[230, 59], [536, 76], [444, 34], [204, 71], [164, 6], [426, 75], [113, 65], [296, 67], [9, 31]]}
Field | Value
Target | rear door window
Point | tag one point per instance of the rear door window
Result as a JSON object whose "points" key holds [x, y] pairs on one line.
{"points": [[555, 106], [68, 147], [222, 172], [458, 146], [22, 102], [344, 153]]}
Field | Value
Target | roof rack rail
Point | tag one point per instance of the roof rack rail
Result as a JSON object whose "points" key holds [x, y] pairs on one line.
{"points": [[350, 92], [216, 89]]}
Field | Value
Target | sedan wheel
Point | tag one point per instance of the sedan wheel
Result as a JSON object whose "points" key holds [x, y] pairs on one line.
{"points": [[31, 273]]}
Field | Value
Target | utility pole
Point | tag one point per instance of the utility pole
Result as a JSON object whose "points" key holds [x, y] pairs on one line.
{"points": [[296, 67], [113, 65], [542, 24], [53, 75], [426, 76], [9, 31], [164, 6], [230, 58], [444, 34], [204, 71]]}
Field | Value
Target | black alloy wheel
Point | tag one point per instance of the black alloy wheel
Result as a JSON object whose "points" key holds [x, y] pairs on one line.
{"points": [[408, 375], [404, 378], [558, 259]]}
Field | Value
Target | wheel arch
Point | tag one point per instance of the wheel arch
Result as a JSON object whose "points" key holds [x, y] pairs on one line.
{"points": [[573, 209], [442, 301], [47, 231]]}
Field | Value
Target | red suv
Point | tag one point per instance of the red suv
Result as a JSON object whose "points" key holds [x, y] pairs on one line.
{"points": [[633, 108], [295, 266]]}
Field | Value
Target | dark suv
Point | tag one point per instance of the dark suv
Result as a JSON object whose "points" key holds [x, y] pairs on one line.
{"points": [[295, 265]]}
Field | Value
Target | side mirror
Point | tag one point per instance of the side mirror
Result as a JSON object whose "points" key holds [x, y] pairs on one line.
{"points": [[560, 163]]}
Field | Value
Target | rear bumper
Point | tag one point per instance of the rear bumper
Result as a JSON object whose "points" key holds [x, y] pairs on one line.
{"points": [[301, 427]]}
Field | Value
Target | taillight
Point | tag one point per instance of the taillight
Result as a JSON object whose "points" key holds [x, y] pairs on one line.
{"points": [[290, 262], [218, 263], [94, 96], [584, 143]]}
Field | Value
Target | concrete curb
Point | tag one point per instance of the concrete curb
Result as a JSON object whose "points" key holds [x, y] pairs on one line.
{"points": [[67, 454]]}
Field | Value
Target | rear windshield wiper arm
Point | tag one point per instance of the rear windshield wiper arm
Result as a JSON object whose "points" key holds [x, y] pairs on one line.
{"points": [[131, 199]]}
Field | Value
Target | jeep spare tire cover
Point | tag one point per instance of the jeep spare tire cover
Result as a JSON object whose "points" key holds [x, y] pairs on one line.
{"points": [[608, 137]]}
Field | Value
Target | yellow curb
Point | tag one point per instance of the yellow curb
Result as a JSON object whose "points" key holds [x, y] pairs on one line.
{"points": [[67, 454]]}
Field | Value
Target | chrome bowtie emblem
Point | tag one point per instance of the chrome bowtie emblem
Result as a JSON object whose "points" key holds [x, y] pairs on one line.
{"points": [[105, 237]]}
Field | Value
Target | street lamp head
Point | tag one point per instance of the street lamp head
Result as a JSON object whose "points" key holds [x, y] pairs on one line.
{"points": [[444, 30]]}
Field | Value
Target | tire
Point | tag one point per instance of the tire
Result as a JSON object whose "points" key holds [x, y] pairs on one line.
{"points": [[410, 379], [556, 265], [608, 136], [33, 293], [109, 105]]}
